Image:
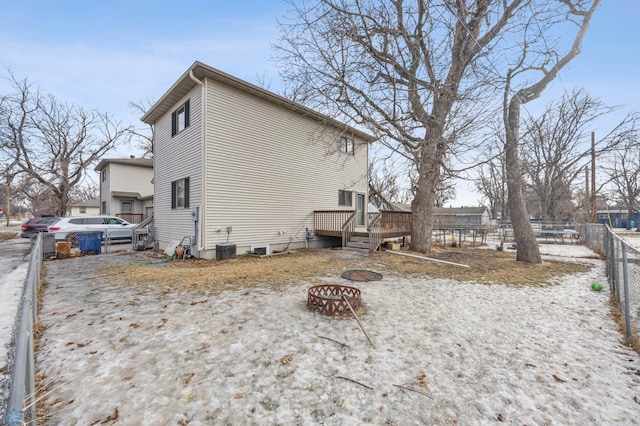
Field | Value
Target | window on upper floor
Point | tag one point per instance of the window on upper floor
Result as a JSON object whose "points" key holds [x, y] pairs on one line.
{"points": [[180, 119], [104, 175], [346, 145], [180, 193], [344, 198]]}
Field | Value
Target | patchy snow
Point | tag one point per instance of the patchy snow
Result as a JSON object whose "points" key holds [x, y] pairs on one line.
{"points": [[474, 354], [13, 272], [11, 287]]}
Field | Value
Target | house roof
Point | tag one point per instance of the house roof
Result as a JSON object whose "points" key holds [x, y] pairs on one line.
{"points": [[460, 210], [185, 83], [94, 202], [400, 207], [141, 162], [124, 194]]}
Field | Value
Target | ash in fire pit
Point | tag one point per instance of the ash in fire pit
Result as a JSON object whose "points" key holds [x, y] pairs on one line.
{"points": [[328, 299]]}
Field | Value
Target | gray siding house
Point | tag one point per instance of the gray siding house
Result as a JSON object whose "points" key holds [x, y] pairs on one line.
{"points": [[231, 156]]}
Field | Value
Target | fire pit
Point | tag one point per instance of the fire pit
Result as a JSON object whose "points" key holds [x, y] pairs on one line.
{"points": [[328, 299]]}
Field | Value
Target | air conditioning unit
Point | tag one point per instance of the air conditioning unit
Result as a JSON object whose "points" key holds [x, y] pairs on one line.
{"points": [[261, 249]]}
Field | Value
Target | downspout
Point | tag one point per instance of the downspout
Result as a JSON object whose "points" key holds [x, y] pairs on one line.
{"points": [[203, 163]]}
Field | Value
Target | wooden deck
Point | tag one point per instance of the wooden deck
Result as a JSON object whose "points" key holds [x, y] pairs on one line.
{"points": [[380, 226], [388, 224]]}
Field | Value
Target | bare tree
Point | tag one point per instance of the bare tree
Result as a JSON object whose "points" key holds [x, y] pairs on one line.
{"points": [[556, 145], [400, 68], [491, 181], [85, 193], [143, 137], [9, 167], [624, 174], [9, 172], [385, 186], [446, 188], [53, 142], [538, 55]]}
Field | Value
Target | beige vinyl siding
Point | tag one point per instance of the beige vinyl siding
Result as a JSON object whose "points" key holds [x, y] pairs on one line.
{"points": [[90, 211], [269, 168], [128, 178], [176, 158]]}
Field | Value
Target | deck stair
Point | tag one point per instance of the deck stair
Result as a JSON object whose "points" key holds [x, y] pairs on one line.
{"points": [[358, 243]]}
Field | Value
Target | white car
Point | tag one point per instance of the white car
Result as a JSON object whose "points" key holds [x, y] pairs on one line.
{"points": [[112, 227]]}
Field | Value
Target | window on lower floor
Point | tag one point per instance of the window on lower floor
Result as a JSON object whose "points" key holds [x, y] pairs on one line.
{"points": [[83, 210], [180, 193], [344, 198], [103, 207], [126, 207]]}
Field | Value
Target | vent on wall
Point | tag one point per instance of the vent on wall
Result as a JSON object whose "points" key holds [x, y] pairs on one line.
{"points": [[261, 250]]}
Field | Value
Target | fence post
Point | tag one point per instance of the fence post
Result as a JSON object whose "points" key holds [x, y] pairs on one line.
{"points": [[613, 263], [627, 309]]}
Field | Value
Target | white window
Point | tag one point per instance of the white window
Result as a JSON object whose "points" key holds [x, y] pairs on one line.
{"points": [[346, 145], [344, 198]]}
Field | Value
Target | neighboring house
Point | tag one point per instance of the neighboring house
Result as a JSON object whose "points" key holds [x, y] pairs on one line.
{"points": [[231, 156], [617, 217], [450, 217], [461, 217], [85, 208], [126, 188]]}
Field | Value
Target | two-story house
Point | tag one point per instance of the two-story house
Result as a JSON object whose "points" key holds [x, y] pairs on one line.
{"points": [[126, 188], [235, 162]]}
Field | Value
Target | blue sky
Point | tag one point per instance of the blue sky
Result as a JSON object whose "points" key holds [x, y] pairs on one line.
{"points": [[103, 54]]}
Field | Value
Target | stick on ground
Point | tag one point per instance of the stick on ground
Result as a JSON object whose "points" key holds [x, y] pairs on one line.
{"points": [[356, 317], [427, 258], [335, 341], [414, 390], [353, 381]]}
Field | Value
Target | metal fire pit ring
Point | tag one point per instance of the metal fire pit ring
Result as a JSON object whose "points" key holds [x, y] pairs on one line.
{"points": [[327, 299]]}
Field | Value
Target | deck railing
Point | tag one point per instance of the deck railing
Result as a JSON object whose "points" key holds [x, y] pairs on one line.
{"points": [[395, 222], [341, 223], [375, 232], [131, 217], [348, 228], [330, 222]]}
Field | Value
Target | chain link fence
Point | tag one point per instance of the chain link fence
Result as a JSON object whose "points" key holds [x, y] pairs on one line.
{"points": [[623, 272], [21, 403]]}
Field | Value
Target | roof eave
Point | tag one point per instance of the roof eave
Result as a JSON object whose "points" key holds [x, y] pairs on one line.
{"points": [[185, 84]]}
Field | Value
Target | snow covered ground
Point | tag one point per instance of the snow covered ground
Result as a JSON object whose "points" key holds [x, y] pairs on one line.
{"points": [[445, 353]]}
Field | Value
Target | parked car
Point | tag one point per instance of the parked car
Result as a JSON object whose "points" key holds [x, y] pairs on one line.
{"points": [[111, 226], [37, 224]]}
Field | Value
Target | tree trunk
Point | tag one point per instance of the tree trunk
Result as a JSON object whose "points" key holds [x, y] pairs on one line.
{"points": [[526, 244], [630, 212], [423, 204]]}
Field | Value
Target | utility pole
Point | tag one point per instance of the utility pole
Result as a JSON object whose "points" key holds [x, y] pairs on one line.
{"points": [[587, 195], [594, 216]]}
